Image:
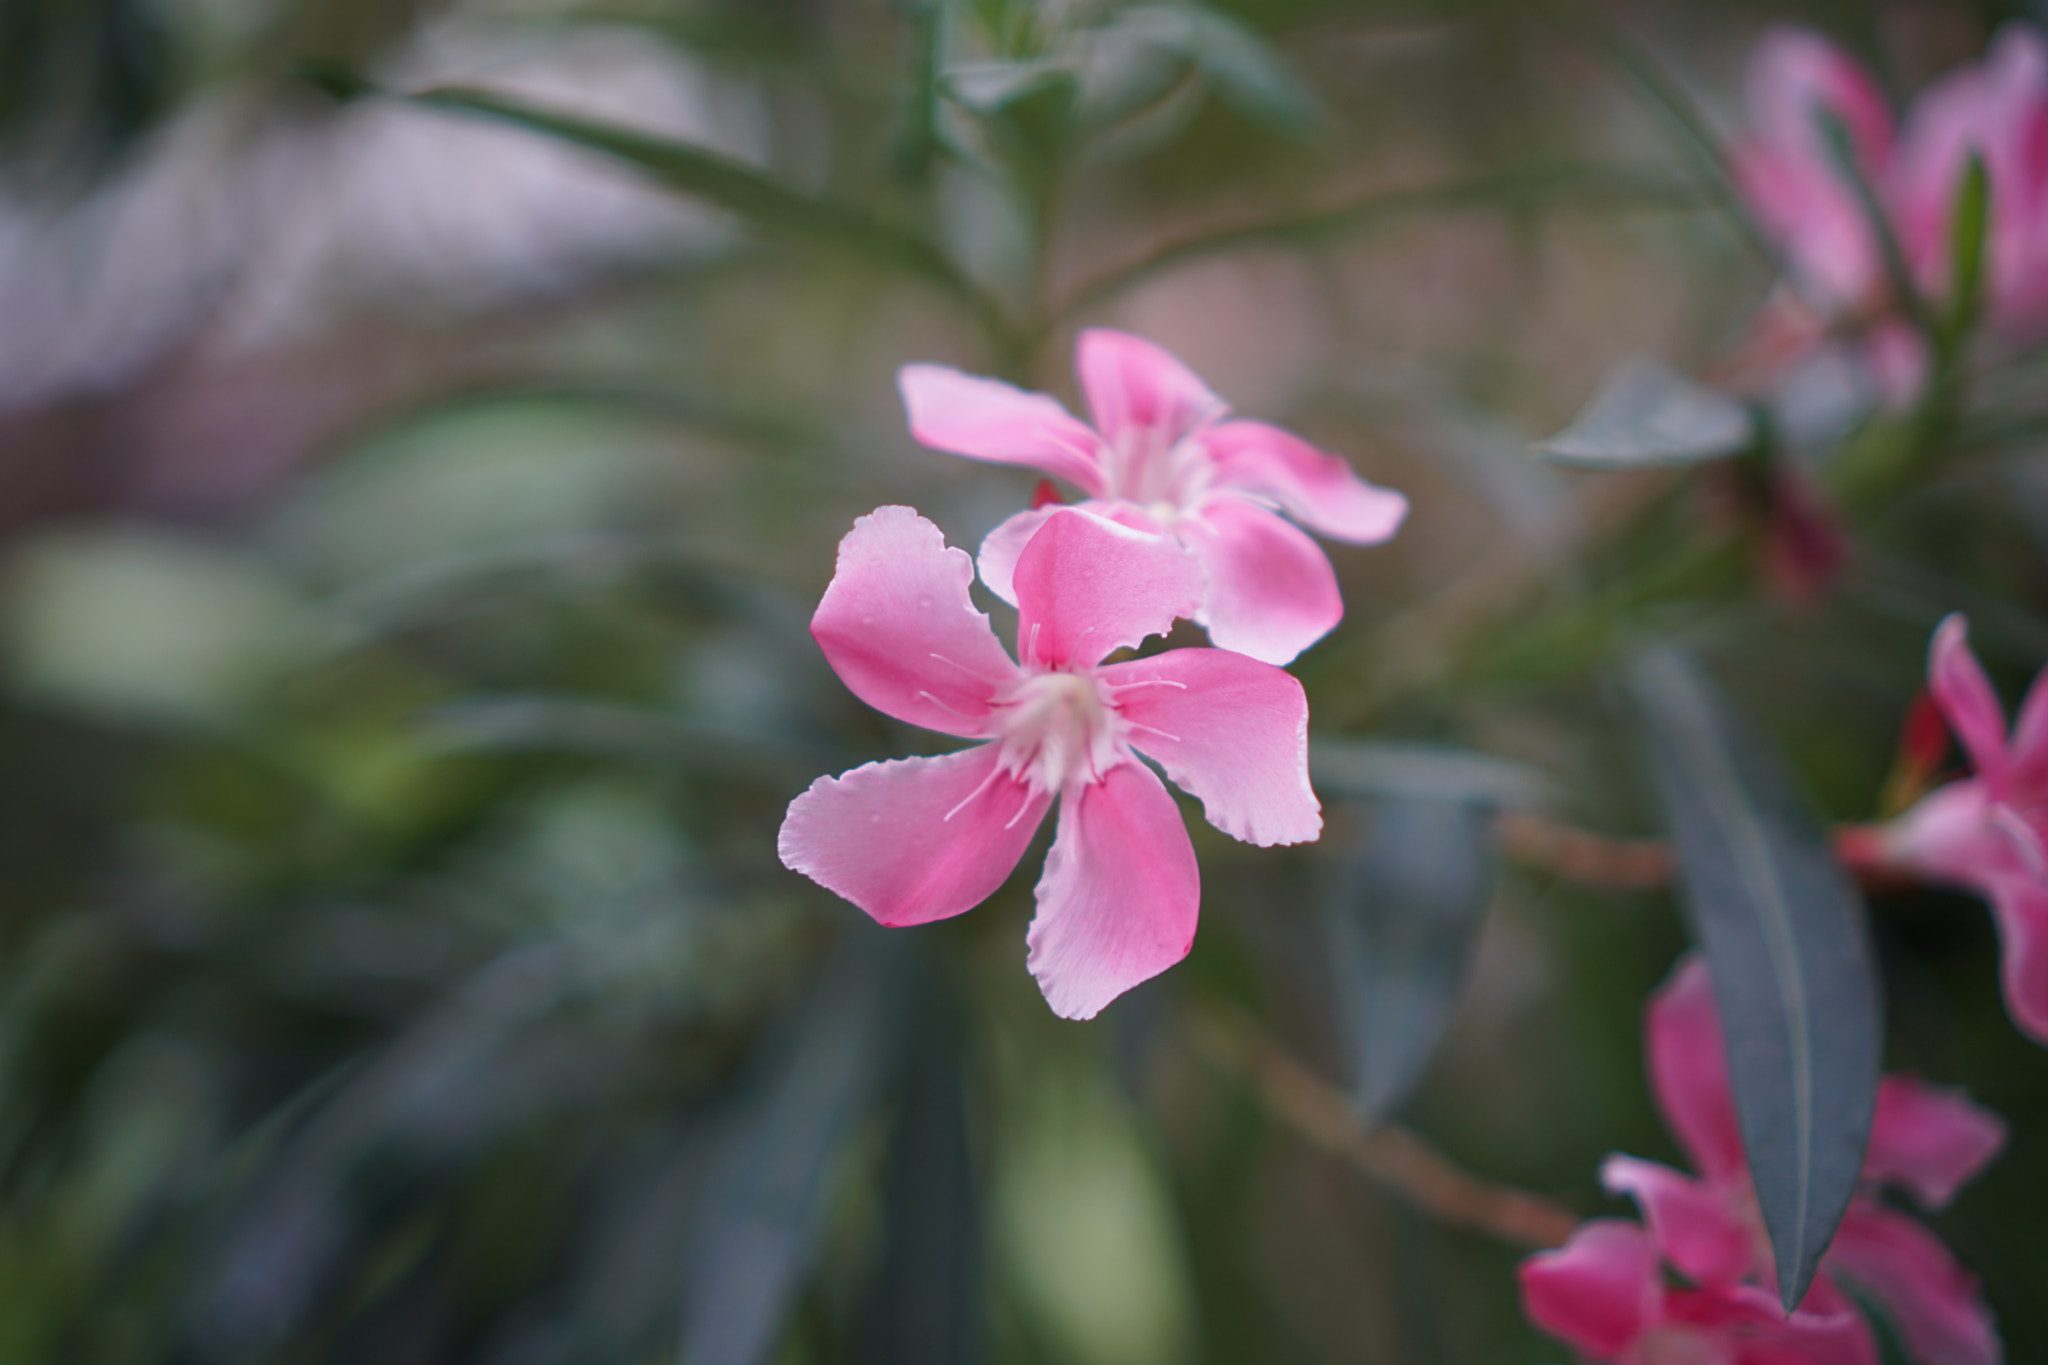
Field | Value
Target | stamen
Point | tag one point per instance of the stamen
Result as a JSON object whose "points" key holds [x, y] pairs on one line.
{"points": [[1031, 648], [980, 787], [1147, 682], [1134, 725], [944, 705], [965, 669]]}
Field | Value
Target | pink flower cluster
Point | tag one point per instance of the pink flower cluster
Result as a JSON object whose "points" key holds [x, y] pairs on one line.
{"points": [[1988, 832], [1182, 521], [1796, 186], [1609, 1290]]}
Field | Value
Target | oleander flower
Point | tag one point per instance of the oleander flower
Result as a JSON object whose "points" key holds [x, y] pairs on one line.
{"points": [[1802, 197], [1606, 1292], [918, 839], [1988, 832], [1164, 458], [1925, 1140]]}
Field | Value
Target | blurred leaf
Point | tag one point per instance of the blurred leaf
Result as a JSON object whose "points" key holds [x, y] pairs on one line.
{"points": [[1787, 940], [924, 1302], [1236, 62], [1645, 415], [1969, 219], [1402, 912], [762, 201], [1348, 768], [1904, 289], [917, 144], [577, 725], [756, 1233]]}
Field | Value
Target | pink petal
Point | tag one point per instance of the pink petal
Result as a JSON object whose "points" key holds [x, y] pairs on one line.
{"points": [[1689, 1071], [2022, 910], [1599, 1291], [1967, 700], [899, 629], [1004, 546], [2030, 743], [1747, 1323], [1272, 592], [990, 420], [1691, 1221], [1086, 586], [1948, 835], [914, 839], [1142, 398], [1229, 729], [1117, 903], [1317, 489], [1935, 1303], [1929, 1139], [1787, 170]]}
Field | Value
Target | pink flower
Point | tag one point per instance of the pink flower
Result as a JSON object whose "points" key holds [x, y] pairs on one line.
{"points": [[1161, 458], [1925, 1140], [1999, 111], [1605, 1292], [918, 839], [1988, 832], [1801, 197]]}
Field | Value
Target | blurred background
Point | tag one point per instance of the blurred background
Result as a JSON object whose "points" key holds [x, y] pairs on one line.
{"points": [[425, 429]]}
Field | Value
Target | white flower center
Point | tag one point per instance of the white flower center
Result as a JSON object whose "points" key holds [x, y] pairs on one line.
{"points": [[1059, 729], [1158, 471]]}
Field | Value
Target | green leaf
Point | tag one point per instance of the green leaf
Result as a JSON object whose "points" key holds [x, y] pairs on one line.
{"points": [[1402, 913], [1969, 219], [763, 202], [766, 1197], [1349, 768], [1645, 415], [1788, 943], [1898, 271], [1238, 65]]}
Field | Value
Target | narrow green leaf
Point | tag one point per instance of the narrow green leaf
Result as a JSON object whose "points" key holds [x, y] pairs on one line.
{"points": [[763, 202], [1646, 415], [766, 1198], [1969, 220], [1787, 941], [1898, 271], [1367, 769], [1402, 913], [1238, 65]]}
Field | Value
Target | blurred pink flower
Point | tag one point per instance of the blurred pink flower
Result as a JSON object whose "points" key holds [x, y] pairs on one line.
{"points": [[1796, 187], [1162, 459], [1605, 1292], [1926, 1140], [1988, 832], [918, 839]]}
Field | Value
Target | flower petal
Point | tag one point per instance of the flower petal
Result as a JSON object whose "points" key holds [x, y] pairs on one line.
{"points": [[987, 419], [1966, 698], [899, 629], [1141, 396], [2030, 743], [1118, 900], [1689, 1071], [913, 839], [1599, 1291], [1004, 546], [1929, 1139], [1317, 489], [1086, 586], [2022, 910], [1948, 836], [1272, 592], [1229, 729], [1691, 1221], [1935, 1303], [1746, 1322]]}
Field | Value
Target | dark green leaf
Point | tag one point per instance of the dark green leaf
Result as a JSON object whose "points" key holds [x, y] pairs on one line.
{"points": [[1969, 218], [1403, 912], [1898, 271], [1787, 941], [1347, 768], [767, 1192], [1645, 415], [1238, 65]]}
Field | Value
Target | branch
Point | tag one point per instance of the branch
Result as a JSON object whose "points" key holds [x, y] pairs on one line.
{"points": [[1390, 1154], [1577, 856]]}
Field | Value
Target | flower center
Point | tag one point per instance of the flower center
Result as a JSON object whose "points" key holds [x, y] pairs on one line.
{"points": [[1157, 468], [1059, 729]]}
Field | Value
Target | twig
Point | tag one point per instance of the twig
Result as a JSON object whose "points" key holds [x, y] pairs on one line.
{"points": [[1389, 1153], [1577, 856]]}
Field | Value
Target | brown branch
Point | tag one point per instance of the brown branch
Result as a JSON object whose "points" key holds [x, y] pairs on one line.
{"points": [[1577, 856], [1389, 1153]]}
